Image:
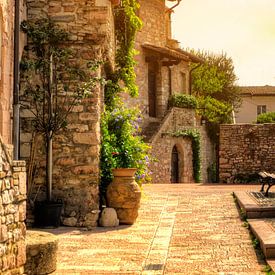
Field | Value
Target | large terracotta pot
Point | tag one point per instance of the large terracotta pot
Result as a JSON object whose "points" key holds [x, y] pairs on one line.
{"points": [[124, 195]]}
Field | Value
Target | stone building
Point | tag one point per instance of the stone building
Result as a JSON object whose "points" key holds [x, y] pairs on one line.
{"points": [[12, 173], [255, 101], [163, 69], [76, 151], [6, 65]]}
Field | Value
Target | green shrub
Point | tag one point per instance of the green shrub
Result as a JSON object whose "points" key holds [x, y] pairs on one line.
{"points": [[183, 101], [266, 118]]}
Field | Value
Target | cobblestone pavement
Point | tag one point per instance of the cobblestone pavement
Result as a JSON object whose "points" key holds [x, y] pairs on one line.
{"points": [[181, 229]]}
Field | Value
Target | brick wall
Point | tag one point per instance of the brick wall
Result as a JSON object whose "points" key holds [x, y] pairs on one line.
{"points": [[76, 151], [246, 149], [12, 213]]}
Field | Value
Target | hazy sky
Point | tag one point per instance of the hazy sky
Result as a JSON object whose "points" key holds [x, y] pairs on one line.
{"points": [[244, 29]]}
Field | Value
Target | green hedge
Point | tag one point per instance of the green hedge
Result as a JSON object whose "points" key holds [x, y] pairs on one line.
{"points": [[183, 101], [266, 118]]}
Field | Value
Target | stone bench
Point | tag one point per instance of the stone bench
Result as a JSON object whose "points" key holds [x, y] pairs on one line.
{"points": [[41, 252]]}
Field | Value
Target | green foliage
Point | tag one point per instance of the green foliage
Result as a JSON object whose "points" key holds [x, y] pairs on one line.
{"points": [[52, 82], [196, 148], [127, 23], [266, 118], [214, 84], [214, 110], [121, 144], [183, 101], [212, 172], [216, 78]]}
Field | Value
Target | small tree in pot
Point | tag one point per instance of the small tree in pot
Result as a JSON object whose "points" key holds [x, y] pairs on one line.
{"points": [[53, 83]]}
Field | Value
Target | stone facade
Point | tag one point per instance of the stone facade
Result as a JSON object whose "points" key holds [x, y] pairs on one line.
{"points": [[246, 149], [162, 70], [12, 213], [170, 76], [6, 67], [163, 143], [76, 151]]}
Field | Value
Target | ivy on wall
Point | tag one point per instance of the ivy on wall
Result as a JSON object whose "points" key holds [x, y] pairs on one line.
{"points": [[196, 148], [122, 146]]}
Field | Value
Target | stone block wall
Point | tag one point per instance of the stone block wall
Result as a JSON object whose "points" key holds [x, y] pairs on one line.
{"points": [[162, 145], [77, 150], [12, 213], [246, 149]]}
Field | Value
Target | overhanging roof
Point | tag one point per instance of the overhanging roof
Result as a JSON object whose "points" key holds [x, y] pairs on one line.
{"points": [[172, 53], [257, 90]]}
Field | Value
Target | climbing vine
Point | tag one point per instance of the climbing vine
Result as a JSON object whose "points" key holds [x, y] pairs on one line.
{"points": [[196, 148], [122, 145]]}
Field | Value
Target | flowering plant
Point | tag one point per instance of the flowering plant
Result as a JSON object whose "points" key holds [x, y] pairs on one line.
{"points": [[122, 146]]}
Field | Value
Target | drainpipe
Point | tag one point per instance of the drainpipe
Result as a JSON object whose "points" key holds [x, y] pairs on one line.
{"points": [[190, 78], [171, 9], [16, 105]]}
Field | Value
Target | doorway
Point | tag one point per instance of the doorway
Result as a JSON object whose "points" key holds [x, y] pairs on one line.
{"points": [[152, 87], [175, 165]]}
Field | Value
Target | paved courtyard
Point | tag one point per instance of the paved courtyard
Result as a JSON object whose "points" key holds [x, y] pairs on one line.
{"points": [[181, 229]]}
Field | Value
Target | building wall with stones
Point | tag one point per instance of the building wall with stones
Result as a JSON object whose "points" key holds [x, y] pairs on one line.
{"points": [[163, 143], [12, 212], [162, 70], [246, 149], [76, 151], [156, 31], [6, 65]]}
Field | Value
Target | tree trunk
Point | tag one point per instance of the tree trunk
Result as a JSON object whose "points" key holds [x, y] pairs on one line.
{"points": [[49, 167], [49, 136]]}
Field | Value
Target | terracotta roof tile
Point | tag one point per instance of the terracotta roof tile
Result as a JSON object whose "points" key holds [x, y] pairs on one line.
{"points": [[257, 90]]}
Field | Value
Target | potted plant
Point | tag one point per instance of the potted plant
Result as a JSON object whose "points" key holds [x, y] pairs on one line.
{"points": [[127, 160], [53, 85]]}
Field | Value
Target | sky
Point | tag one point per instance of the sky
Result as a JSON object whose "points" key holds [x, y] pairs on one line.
{"points": [[243, 29]]}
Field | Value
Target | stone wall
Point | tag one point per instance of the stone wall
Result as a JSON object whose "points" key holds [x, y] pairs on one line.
{"points": [[6, 65], [12, 213], [162, 145], [246, 149], [76, 151]]}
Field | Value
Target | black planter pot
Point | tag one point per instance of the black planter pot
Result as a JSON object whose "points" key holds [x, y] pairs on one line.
{"points": [[47, 214]]}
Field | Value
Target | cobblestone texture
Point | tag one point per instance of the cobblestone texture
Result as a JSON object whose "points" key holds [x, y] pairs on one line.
{"points": [[181, 229]]}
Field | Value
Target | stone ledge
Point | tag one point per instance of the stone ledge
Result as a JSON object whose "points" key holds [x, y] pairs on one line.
{"points": [[41, 252], [251, 208], [265, 234]]}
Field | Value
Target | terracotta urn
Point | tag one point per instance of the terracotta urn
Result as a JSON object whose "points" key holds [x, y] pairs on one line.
{"points": [[124, 194]]}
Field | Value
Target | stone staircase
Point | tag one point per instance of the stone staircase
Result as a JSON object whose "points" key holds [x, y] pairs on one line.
{"points": [[150, 130]]}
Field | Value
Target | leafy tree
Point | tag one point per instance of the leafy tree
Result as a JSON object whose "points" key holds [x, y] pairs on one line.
{"points": [[214, 83]]}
